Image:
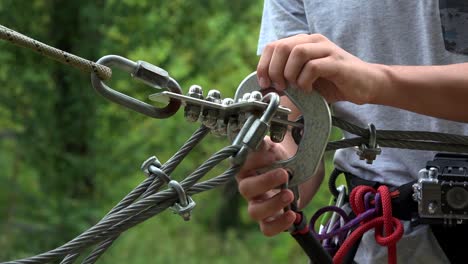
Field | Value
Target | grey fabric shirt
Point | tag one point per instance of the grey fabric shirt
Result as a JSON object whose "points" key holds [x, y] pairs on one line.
{"points": [[397, 32]]}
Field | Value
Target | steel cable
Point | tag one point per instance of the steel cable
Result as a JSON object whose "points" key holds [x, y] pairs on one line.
{"points": [[401, 135], [94, 234], [149, 186]]}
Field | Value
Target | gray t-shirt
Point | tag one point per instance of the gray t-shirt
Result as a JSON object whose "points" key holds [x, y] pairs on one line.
{"points": [[388, 32]]}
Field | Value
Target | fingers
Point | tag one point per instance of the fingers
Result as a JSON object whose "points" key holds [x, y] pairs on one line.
{"points": [[252, 187], [263, 209], [267, 154], [275, 56], [262, 67], [302, 59], [277, 63], [265, 201], [314, 69], [277, 225]]}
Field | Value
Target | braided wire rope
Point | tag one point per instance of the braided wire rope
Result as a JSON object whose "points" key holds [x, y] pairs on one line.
{"points": [[401, 135], [120, 221], [147, 187], [103, 72]]}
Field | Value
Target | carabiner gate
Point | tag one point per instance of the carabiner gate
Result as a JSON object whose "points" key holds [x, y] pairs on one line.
{"points": [[145, 72]]}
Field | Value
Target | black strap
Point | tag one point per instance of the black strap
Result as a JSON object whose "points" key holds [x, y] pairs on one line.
{"points": [[452, 241], [311, 246]]}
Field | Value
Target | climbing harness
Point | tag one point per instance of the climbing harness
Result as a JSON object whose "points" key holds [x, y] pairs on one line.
{"points": [[372, 209], [245, 120]]}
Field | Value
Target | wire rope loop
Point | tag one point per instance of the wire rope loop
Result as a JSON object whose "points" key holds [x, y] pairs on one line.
{"points": [[145, 72]]}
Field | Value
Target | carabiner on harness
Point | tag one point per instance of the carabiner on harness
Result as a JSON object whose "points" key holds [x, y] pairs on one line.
{"points": [[145, 72]]}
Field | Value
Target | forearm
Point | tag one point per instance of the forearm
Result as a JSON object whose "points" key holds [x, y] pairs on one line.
{"points": [[439, 91]]}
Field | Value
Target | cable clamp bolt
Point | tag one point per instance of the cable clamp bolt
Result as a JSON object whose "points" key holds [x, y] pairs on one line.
{"points": [[148, 162], [152, 166], [185, 205], [370, 151]]}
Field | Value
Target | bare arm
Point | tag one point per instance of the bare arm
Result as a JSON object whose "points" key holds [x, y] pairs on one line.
{"points": [[439, 91], [314, 62]]}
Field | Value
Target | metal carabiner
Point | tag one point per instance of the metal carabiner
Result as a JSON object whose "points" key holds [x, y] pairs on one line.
{"points": [[255, 129], [145, 72], [317, 127]]}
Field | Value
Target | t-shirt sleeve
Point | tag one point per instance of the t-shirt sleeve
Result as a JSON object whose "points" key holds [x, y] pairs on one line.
{"points": [[281, 19]]}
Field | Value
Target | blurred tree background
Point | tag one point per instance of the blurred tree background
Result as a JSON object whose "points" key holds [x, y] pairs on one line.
{"points": [[67, 155]]}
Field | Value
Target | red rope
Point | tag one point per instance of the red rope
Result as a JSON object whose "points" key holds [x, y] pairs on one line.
{"points": [[386, 222]]}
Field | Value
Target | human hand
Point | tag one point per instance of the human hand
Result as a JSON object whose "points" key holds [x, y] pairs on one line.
{"points": [[265, 201], [314, 62]]}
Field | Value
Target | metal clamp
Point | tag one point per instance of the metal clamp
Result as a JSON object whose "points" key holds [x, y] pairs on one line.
{"points": [[185, 205], [148, 162], [152, 166], [317, 127], [145, 72], [370, 151]]}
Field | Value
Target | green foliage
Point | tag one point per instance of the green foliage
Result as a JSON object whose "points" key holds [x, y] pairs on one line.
{"points": [[67, 155]]}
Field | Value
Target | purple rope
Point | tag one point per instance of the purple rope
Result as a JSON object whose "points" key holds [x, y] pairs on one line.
{"points": [[367, 200], [349, 224]]}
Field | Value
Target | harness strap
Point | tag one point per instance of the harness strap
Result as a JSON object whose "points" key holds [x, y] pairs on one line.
{"points": [[308, 243]]}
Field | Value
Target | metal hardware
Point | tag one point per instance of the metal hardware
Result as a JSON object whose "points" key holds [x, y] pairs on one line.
{"points": [[370, 151], [210, 115], [145, 72], [340, 201], [147, 163], [317, 127], [255, 96], [229, 110], [221, 124], [185, 205], [255, 129], [192, 111], [277, 130], [154, 170]]}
